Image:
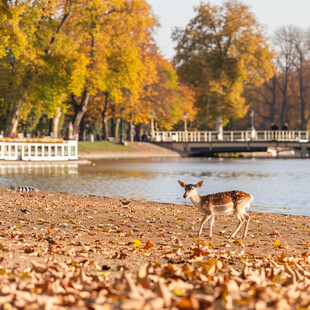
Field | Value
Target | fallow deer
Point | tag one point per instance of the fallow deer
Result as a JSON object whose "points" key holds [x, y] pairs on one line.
{"points": [[220, 204]]}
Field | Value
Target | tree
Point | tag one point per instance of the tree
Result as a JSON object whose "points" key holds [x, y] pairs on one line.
{"points": [[166, 97], [34, 59], [72, 56], [264, 100], [113, 34], [301, 64], [219, 52], [284, 45], [5, 14]]}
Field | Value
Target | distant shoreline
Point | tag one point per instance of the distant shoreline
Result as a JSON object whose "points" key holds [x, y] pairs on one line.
{"points": [[132, 150], [108, 150]]}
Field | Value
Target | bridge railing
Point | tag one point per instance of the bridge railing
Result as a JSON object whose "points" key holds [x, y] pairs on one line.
{"points": [[231, 136]]}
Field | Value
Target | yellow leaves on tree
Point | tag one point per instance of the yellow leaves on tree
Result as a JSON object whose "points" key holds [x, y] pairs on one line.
{"points": [[219, 52], [167, 98]]}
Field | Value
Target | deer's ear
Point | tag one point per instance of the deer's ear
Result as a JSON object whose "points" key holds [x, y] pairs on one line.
{"points": [[182, 183], [199, 184]]}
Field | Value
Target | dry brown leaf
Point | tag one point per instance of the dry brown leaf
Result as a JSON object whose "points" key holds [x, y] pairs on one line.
{"points": [[148, 245]]}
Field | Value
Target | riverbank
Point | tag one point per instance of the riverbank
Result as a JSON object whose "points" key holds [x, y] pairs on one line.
{"points": [[108, 150], [88, 252]]}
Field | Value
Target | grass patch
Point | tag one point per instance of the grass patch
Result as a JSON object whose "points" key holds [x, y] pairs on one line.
{"points": [[104, 146]]}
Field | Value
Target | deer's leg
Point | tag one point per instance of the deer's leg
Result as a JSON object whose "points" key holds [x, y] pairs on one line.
{"points": [[211, 224], [205, 219], [247, 219], [241, 221]]}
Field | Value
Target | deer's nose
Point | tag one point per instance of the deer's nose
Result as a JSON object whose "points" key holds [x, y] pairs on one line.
{"points": [[185, 195]]}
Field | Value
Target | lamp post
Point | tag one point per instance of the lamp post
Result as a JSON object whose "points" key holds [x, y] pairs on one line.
{"points": [[185, 115], [252, 118], [253, 131], [152, 126], [121, 136]]}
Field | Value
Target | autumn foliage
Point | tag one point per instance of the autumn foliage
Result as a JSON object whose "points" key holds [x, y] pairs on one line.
{"points": [[82, 62], [220, 51], [83, 66]]}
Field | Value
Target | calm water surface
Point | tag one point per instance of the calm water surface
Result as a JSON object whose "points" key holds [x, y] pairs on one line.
{"points": [[278, 186]]}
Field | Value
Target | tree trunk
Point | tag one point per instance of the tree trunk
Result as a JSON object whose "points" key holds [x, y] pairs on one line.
{"points": [[284, 101], [69, 131], [272, 109], [12, 123], [303, 122], [55, 123], [80, 109], [116, 129], [139, 132], [208, 112], [130, 132], [82, 136], [105, 127], [113, 122]]}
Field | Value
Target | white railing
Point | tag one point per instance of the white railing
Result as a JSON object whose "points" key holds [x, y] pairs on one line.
{"points": [[231, 136], [39, 151]]}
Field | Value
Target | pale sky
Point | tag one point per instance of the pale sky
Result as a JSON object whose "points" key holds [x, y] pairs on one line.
{"points": [[272, 14]]}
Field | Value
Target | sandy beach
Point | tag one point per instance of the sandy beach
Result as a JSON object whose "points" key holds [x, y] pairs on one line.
{"points": [[65, 251]]}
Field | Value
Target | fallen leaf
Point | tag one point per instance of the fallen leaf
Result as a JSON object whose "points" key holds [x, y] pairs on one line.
{"points": [[184, 303], [28, 249], [136, 242], [148, 245]]}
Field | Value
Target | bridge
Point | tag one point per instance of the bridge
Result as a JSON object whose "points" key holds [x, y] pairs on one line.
{"points": [[210, 142]]}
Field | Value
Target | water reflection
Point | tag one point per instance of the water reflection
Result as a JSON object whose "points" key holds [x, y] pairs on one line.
{"points": [[278, 186], [232, 175], [39, 169]]}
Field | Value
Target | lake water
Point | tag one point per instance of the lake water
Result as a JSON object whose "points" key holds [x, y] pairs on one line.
{"points": [[278, 185]]}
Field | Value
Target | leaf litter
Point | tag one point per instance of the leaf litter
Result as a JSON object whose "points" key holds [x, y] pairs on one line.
{"points": [[92, 253]]}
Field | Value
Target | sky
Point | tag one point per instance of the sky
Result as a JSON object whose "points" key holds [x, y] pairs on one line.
{"points": [[272, 14]]}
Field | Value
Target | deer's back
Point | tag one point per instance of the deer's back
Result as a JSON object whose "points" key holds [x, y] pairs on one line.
{"points": [[225, 202]]}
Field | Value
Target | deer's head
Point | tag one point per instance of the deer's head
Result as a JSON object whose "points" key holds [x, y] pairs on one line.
{"points": [[190, 189]]}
